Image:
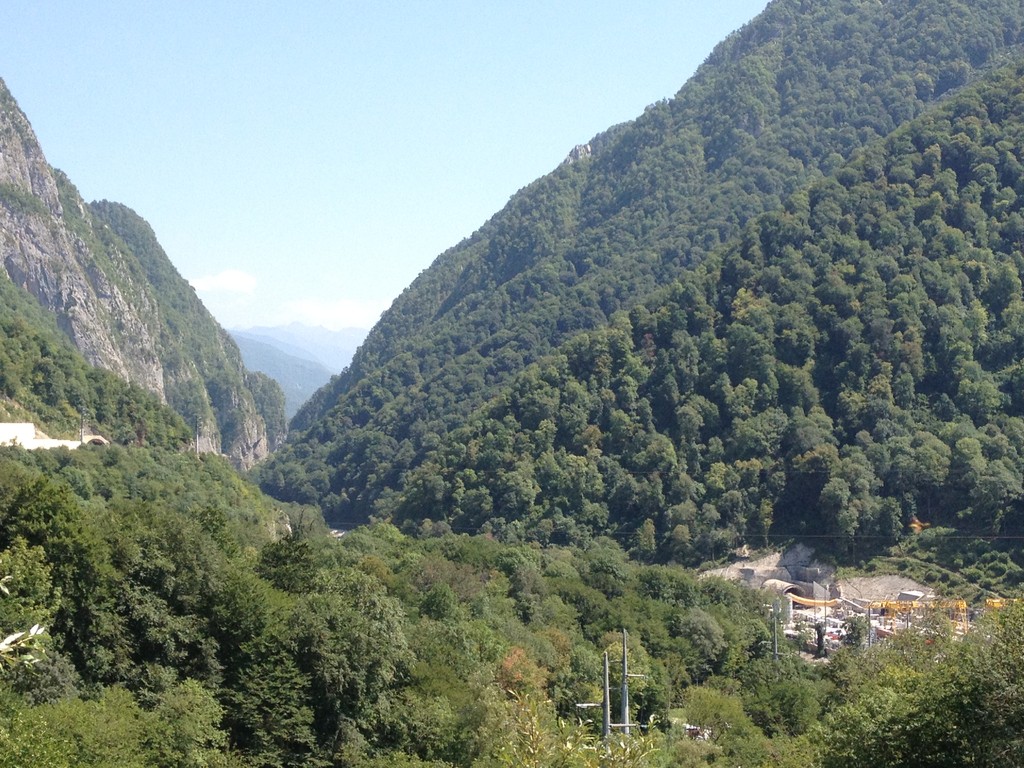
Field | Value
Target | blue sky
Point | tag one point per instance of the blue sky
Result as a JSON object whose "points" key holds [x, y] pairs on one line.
{"points": [[304, 162]]}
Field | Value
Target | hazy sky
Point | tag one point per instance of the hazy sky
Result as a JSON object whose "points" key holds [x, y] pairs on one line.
{"points": [[306, 161]]}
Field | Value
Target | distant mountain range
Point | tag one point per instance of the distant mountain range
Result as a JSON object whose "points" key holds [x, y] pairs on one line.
{"points": [[299, 357], [332, 349]]}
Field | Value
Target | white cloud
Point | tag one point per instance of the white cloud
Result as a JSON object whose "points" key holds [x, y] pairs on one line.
{"points": [[334, 315], [227, 281]]}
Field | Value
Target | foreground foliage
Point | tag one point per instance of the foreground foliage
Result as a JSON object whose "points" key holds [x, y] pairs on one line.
{"points": [[932, 700], [181, 614], [187, 627]]}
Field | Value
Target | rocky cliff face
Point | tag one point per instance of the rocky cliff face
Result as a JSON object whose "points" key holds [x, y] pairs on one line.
{"points": [[100, 270], [44, 257]]}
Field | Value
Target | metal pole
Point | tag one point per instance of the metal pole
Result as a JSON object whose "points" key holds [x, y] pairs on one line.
{"points": [[625, 686], [775, 630], [606, 726]]}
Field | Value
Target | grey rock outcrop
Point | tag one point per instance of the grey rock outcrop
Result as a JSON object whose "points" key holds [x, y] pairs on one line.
{"points": [[579, 152]]}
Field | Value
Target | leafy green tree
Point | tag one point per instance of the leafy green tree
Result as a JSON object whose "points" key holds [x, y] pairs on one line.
{"points": [[350, 644], [188, 735]]}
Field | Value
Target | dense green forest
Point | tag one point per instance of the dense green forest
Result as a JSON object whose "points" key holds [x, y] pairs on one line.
{"points": [[846, 365], [185, 629], [190, 621], [788, 98]]}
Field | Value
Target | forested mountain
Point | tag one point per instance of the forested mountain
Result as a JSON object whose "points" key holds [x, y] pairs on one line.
{"points": [[100, 270], [189, 620], [788, 99], [852, 361]]}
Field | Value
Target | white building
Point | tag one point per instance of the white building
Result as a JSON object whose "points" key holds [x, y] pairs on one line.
{"points": [[27, 436]]}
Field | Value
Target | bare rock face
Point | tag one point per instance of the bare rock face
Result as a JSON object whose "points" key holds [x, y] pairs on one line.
{"points": [[55, 266], [22, 164], [102, 293], [41, 255], [579, 152]]}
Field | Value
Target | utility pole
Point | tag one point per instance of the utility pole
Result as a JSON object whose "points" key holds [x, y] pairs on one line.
{"points": [[625, 724], [606, 699], [606, 725], [775, 630], [625, 686]]}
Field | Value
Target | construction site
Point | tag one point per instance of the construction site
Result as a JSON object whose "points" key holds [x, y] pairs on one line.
{"points": [[818, 609]]}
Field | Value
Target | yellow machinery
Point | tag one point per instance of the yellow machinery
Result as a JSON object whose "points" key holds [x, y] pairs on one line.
{"points": [[809, 603], [955, 609], [1000, 602]]}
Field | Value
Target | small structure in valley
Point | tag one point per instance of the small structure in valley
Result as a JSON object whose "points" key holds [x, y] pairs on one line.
{"points": [[26, 435]]}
